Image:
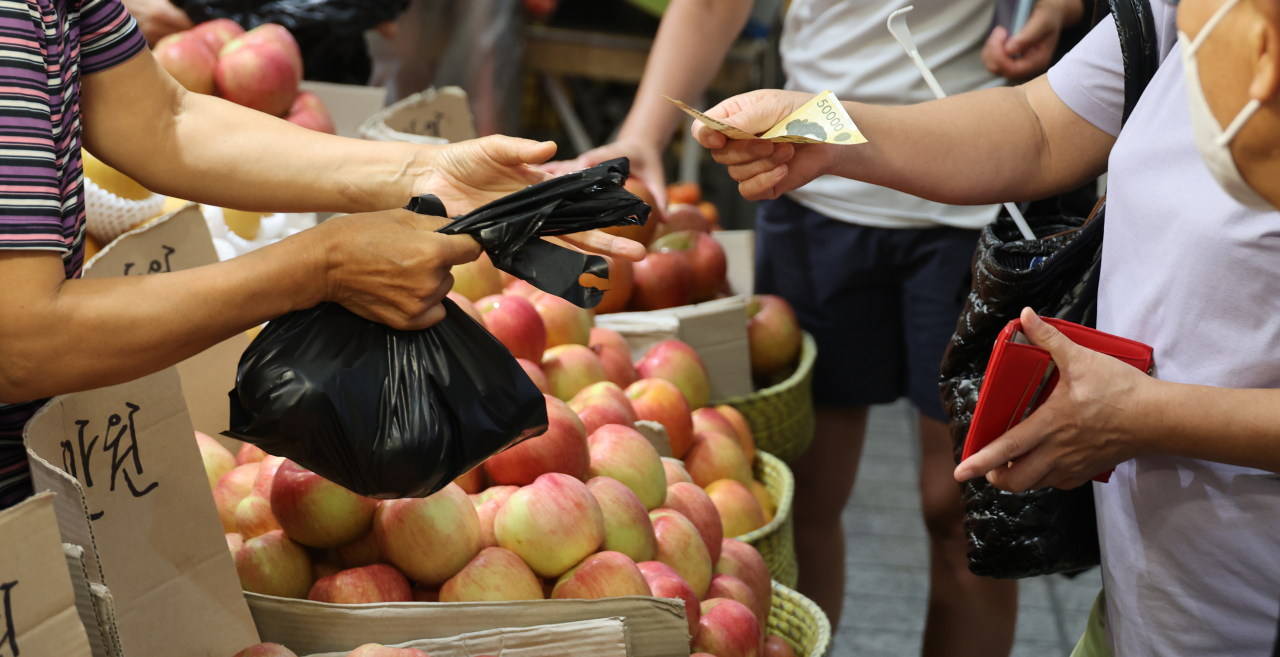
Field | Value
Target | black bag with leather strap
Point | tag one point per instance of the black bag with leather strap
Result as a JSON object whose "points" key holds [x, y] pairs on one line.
{"points": [[1039, 532]]}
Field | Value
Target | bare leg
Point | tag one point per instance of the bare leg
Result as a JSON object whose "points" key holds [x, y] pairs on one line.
{"points": [[968, 615], [824, 481]]}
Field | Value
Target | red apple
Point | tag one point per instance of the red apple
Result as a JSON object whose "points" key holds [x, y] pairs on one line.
{"points": [[705, 255], [570, 368], [217, 32], [521, 288], [675, 472], [728, 629], [266, 650], [767, 503], [535, 374], [363, 552], [487, 511], [189, 60], [660, 401], [710, 419], [271, 564], [429, 539], [258, 74], [493, 492], [744, 562], [617, 364], [655, 569], [741, 430], [253, 516], [552, 524], [379, 650], [250, 453], [234, 543], [625, 454], [317, 512], [618, 289], [732, 588], [270, 33], [773, 334], [680, 364], [516, 324], [477, 279], [684, 192], [776, 646], [740, 512], [233, 487], [471, 481], [565, 322], [662, 280], [627, 528], [495, 575], [682, 217], [562, 448], [310, 112], [716, 456], [217, 459], [602, 403], [676, 587], [603, 575], [681, 547], [693, 503], [357, 586]]}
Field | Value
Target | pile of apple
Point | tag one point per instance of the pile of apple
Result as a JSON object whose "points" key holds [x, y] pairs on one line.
{"points": [[259, 69]]}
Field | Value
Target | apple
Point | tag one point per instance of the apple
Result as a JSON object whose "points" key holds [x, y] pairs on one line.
{"points": [[270, 33], [710, 419], [217, 32], [495, 575], [487, 512], [684, 192], [644, 232], [705, 256], [266, 650], [234, 543], [253, 516], [627, 528], [552, 524], [678, 363], [562, 448], [493, 492], [776, 646], [471, 481], [515, 323], [477, 279], [521, 288], [565, 322], [233, 487], [728, 629], [189, 60], [660, 401], [602, 403], [662, 280], [570, 368], [363, 552], [773, 334], [323, 564], [676, 587], [694, 503], [675, 472], [250, 453], [379, 650], [625, 454], [317, 512], [602, 575], [682, 217], [740, 512], [741, 430], [716, 456], [681, 547], [271, 564], [358, 586], [267, 469], [767, 505], [655, 569], [535, 374], [217, 459], [429, 539], [467, 307], [744, 562], [616, 361], [711, 212], [310, 112], [257, 74], [618, 289], [732, 588]]}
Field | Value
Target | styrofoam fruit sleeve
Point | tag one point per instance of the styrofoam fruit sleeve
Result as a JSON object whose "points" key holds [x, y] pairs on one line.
{"points": [[108, 216]]}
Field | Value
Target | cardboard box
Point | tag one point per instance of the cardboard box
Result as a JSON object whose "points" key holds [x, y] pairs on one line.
{"points": [[606, 637], [38, 616], [94, 604], [429, 117], [740, 252], [350, 105]]}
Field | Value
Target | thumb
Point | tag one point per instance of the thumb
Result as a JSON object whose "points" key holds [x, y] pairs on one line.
{"points": [[1037, 28], [1044, 334], [458, 249], [511, 151]]}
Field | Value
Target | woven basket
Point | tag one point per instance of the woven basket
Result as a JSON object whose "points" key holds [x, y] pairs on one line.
{"points": [[781, 416], [775, 541], [800, 621]]}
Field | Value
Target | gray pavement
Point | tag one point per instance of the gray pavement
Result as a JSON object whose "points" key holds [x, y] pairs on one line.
{"points": [[888, 561]]}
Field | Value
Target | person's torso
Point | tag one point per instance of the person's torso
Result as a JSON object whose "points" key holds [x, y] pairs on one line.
{"points": [[845, 46], [1191, 549]]}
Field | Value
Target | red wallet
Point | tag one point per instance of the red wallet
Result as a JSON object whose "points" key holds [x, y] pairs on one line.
{"points": [[1020, 377]]}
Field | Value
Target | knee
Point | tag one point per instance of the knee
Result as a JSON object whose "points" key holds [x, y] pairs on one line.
{"points": [[943, 514]]}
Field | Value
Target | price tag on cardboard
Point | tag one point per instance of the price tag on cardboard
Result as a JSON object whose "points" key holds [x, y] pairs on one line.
{"points": [[822, 120]]}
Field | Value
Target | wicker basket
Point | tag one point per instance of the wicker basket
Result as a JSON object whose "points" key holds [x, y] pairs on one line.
{"points": [[775, 541], [799, 620], [781, 416]]}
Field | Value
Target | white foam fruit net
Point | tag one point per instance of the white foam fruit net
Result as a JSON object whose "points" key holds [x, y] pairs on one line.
{"points": [[108, 216]]}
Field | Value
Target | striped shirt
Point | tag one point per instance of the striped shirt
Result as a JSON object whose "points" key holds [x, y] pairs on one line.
{"points": [[45, 46]]}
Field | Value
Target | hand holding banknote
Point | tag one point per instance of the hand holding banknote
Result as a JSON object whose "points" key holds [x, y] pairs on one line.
{"points": [[775, 162]]}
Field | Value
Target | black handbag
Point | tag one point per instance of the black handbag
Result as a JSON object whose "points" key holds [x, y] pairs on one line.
{"points": [[1016, 535]]}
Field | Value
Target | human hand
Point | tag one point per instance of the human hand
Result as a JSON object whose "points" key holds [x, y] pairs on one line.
{"points": [[1086, 426], [1028, 53], [763, 169], [646, 164], [158, 18]]}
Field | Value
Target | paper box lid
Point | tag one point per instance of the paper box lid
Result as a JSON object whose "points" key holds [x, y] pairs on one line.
{"points": [[434, 116], [350, 105]]}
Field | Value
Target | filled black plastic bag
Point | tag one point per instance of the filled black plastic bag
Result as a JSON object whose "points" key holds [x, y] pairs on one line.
{"points": [[389, 413]]}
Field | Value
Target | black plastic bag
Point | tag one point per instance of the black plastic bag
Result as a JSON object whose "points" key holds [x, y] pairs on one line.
{"points": [[389, 413]]}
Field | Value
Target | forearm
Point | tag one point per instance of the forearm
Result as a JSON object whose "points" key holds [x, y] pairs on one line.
{"points": [[1224, 425], [690, 46]]}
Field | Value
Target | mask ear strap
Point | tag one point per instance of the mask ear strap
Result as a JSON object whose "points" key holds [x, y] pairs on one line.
{"points": [[1212, 23], [1238, 122]]}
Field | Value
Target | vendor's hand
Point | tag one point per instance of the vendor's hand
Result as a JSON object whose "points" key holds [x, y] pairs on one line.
{"points": [[646, 164], [1028, 53], [763, 169], [158, 18], [1085, 427]]}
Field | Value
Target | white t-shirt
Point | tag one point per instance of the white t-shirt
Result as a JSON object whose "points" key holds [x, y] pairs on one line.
{"points": [[1190, 549], [844, 46]]}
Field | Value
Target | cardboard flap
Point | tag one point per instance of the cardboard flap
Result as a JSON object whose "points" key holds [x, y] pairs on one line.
{"points": [[93, 603], [657, 435], [434, 116], [70, 507], [739, 250], [606, 637], [155, 530], [656, 626], [350, 105], [38, 616]]}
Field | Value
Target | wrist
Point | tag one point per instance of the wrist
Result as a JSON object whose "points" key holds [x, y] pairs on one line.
{"points": [[311, 257], [1069, 12], [1148, 420]]}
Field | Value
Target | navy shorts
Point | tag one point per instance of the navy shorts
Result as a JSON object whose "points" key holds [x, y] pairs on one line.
{"points": [[881, 303]]}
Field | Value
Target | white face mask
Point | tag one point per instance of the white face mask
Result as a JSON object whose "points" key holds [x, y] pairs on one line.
{"points": [[1212, 141]]}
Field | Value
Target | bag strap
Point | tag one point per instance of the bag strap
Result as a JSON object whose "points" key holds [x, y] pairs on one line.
{"points": [[1139, 47]]}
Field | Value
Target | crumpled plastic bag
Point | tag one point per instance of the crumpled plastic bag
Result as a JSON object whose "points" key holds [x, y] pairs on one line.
{"points": [[389, 413]]}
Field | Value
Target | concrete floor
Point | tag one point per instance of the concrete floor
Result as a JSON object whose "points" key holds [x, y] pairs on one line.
{"points": [[888, 561]]}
